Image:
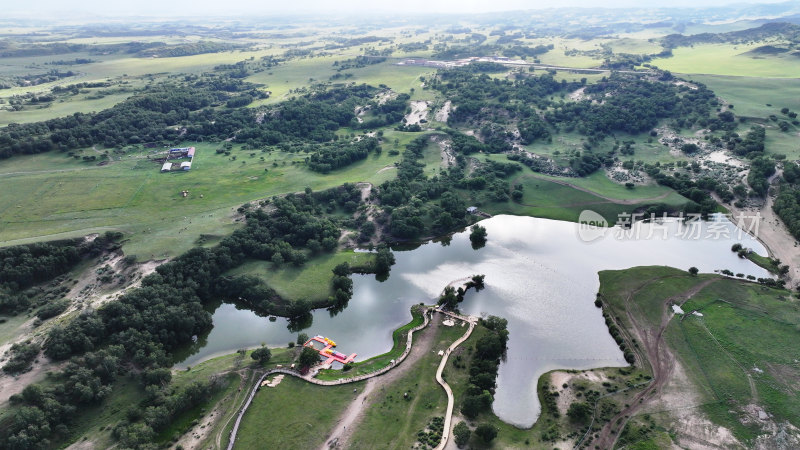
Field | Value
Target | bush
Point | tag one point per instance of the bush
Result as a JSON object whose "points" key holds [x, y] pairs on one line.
{"points": [[486, 431], [462, 433], [579, 412], [52, 309], [22, 356], [262, 355]]}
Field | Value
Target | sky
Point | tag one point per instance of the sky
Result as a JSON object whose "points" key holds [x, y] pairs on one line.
{"points": [[273, 7]]}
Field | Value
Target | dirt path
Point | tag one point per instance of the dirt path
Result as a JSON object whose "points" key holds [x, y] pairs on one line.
{"points": [[241, 394], [447, 429], [448, 157], [354, 414], [658, 354]]}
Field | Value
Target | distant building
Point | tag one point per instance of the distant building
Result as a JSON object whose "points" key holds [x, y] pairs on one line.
{"points": [[472, 209], [186, 165], [166, 167]]}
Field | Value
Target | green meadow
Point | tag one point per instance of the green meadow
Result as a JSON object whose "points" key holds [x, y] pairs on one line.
{"points": [[738, 354], [52, 196], [294, 414], [730, 60], [312, 281]]}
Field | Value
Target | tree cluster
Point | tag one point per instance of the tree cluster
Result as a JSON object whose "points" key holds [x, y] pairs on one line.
{"points": [[489, 348], [24, 266], [338, 155]]}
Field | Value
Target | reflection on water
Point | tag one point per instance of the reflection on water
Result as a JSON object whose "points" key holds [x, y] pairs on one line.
{"points": [[539, 275]]}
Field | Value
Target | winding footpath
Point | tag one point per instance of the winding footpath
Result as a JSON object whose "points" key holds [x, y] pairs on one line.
{"points": [[409, 342], [448, 417]]}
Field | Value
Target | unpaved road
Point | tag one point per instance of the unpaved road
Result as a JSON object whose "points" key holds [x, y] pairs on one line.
{"points": [[354, 414], [658, 354]]}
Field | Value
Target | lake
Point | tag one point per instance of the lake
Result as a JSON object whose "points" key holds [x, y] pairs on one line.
{"points": [[541, 275]]}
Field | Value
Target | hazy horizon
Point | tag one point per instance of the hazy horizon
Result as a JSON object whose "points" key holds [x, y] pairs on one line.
{"points": [[186, 8]]}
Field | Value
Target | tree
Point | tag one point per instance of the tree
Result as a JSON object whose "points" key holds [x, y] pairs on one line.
{"points": [[476, 282], [449, 298], [486, 431], [579, 412], [308, 357], [462, 433], [693, 271], [384, 260], [477, 236], [298, 308], [689, 148], [262, 355], [302, 338]]}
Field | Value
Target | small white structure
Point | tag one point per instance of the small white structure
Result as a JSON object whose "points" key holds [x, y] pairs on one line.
{"points": [[186, 165], [472, 209], [677, 309], [166, 167]]}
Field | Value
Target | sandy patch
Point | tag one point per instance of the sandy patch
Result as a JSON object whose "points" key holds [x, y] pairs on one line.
{"points": [[419, 111], [577, 95], [444, 112], [10, 385], [772, 232], [721, 157]]}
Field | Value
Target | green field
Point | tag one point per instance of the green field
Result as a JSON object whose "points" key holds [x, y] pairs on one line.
{"points": [[646, 149], [728, 59], [52, 196], [311, 282], [294, 414], [741, 352], [392, 420], [543, 197], [750, 95]]}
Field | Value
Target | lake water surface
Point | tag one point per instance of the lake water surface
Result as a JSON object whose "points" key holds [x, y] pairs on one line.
{"points": [[540, 275]]}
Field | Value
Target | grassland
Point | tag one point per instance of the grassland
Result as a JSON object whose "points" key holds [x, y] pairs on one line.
{"points": [[285, 78], [312, 281], [544, 197], [295, 414], [728, 59], [757, 99], [646, 149], [392, 421], [96, 424], [751, 95], [82, 103], [51, 196], [740, 355]]}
